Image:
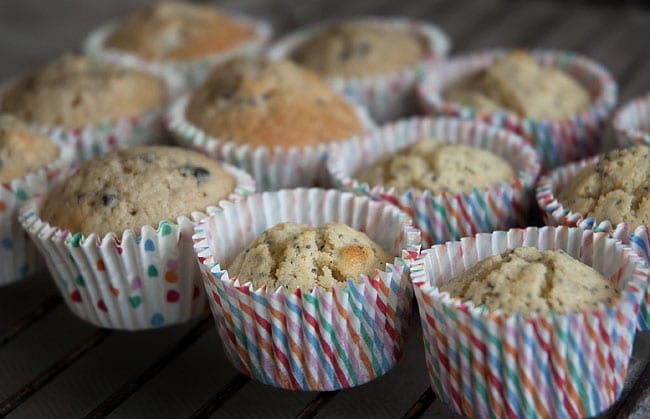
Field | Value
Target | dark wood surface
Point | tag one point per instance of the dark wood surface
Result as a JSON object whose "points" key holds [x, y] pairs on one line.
{"points": [[54, 365]]}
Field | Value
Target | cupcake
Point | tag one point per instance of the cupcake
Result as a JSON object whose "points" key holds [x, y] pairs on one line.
{"points": [[529, 323], [272, 118], [632, 122], [30, 163], [116, 234], [309, 287], [374, 61], [93, 104], [454, 177], [182, 37], [558, 101]]}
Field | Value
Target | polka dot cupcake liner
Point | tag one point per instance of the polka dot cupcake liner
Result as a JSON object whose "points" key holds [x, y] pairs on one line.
{"points": [[312, 341], [133, 282], [272, 168], [632, 122], [558, 141], [444, 216], [489, 364], [19, 258], [386, 96], [192, 71]]}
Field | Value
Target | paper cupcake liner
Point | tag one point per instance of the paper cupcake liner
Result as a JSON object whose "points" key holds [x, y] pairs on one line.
{"points": [[444, 216], [632, 122], [387, 96], [488, 364], [272, 168], [319, 340], [132, 282], [193, 71], [558, 141], [19, 258]]}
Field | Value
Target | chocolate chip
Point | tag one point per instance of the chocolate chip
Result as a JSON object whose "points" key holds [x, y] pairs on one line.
{"points": [[146, 157], [313, 270], [201, 174], [109, 200]]}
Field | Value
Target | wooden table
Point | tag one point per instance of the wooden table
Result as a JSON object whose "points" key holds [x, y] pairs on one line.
{"points": [[54, 365]]}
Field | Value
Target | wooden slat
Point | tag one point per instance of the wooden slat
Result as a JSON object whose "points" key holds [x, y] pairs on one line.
{"points": [[220, 397], [41, 310]]}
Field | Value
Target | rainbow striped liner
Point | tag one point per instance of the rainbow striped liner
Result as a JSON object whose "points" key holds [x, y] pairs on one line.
{"points": [[632, 122], [193, 71], [558, 141], [272, 168], [445, 216], [387, 96], [555, 214], [488, 364], [19, 258], [133, 282], [324, 339]]}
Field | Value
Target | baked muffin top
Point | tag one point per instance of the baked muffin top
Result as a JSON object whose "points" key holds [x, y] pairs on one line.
{"points": [[436, 166], [260, 102], [357, 49], [615, 188], [74, 91], [526, 281], [22, 150], [177, 31], [518, 84], [294, 256], [133, 187]]}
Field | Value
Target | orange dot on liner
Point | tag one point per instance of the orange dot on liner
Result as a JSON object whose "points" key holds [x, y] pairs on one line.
{"points": [[2, 206], [115, 291], [171, 276], [100, 265]]}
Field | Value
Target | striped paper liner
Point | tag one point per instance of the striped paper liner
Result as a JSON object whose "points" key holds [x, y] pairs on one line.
{"points": [[444, 216], [192, 71], [558, 141], [488, 364], [631, 122], [133, 282], [319, 340], [272, 168], [386, 96], [555, 214]]}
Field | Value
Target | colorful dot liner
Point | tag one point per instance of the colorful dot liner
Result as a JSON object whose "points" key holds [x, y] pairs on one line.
{"points": [[557, 141], [320, 340], [555, 214], [133, 282], [487, 364], [193, 72], [272, 168], [387, 96], [632, 122], [445, 216]]}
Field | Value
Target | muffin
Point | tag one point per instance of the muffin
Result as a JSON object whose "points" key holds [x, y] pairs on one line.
{"points": [[30, 163], [116, 234], [374, 61], [350, 316], [272, 118], [473, 178], [631, 122], [534, 320]]}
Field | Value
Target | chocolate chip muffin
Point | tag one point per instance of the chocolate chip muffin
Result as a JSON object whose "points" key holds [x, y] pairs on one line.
{"points": [[526, 280], [259, 102], [134, 187], [294, 256], [74, 91]]}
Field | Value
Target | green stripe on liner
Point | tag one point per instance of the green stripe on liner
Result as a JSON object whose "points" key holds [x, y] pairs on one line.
{"points": [[364, 335], [644, 311], [445, 217], [575, 374], [484, 207]]}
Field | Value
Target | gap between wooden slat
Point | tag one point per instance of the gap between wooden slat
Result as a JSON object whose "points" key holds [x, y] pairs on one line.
{"points": [[312, 408], [222, 396], [421, 405], [46, 306]]}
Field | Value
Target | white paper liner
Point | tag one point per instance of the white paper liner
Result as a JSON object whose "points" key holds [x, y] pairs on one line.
{"points": [[486, 364], [631, 122], [386, 96], [132, 282], [318, 340]]}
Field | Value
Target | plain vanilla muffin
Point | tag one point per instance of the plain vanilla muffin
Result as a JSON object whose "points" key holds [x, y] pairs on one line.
{"points": [[526, 280], [134, 187], [268, 103], [518, 84], [177, 31], [615, 188], [74, 91], [436, 166], [22, 150], [357, 49], [298, 256]]}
